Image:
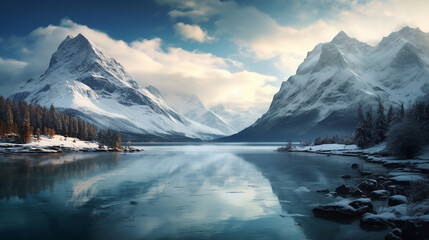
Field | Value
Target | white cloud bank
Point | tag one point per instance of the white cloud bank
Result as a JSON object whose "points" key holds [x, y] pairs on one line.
{"points": [[171, 70], [192, 32], [257, 33]]}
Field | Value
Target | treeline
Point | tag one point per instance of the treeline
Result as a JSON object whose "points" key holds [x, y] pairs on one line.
{"points": [[27, 120], [406, 131], [346, 140]]}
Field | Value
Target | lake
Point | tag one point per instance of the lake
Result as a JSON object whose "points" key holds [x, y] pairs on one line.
{"points": [[174, 191]]}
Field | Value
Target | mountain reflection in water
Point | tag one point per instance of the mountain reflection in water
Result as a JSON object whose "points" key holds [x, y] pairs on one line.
{"points": [[222, 192]]}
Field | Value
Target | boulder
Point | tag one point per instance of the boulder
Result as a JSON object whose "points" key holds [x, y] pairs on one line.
{"points": [[370, 185], [362, 202], [355, 165], [372, 221], [395, 234], [357, 192], [396, 189], [345, 190], [345, 176], [344, 209], [323, 191], [379, 194], [397, 200]]}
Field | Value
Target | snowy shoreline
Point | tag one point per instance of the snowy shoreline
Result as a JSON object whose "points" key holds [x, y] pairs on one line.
{"points": [[403, 190], [58, 144], [373, 155]]}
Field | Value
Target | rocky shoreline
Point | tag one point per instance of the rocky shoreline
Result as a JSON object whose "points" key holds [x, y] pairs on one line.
{"points": [[403, 191]]}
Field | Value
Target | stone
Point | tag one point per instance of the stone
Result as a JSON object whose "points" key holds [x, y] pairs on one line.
{"points": [[372, 221], [344, 210], [379, 194], [344, 190], [323, 191], [397, 200], [370, 185], [395, 234]]}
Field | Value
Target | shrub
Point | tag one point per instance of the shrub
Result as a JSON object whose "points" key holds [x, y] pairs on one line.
{"points": [[405, 139]]}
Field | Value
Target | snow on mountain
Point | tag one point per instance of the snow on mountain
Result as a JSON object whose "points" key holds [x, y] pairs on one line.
{"points": [[84, 80], [237, 119], [190, 106], [335, 77]]}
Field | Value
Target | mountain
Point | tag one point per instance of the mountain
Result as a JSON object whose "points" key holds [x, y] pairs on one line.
{"points": [[190, 106], [237, 119], [322, 97], [82, 79]]}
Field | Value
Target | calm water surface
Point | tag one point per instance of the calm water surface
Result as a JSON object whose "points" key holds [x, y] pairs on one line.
{"points": [[196, 191]]}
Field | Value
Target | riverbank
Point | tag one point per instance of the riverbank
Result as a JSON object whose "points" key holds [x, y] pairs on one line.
{"points": [[403, 192], [58, 144]]}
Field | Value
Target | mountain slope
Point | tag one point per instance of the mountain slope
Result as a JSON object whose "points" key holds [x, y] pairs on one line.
{"points": [[335, 77], [237, 119], [83, 79], [190, 106]]}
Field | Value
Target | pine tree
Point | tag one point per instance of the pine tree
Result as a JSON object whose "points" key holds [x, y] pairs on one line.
{"points": [[369, 128], [27, 120], [116, 140], [380, 124], [2, 129], [389, 118], [38, 133], [9, 118], [52, 117], [360, 133], [51, 132], [400, 115]]}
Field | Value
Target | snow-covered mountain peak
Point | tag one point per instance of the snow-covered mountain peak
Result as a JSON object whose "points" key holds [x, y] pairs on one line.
{"points": [[407, 31], [337, 76], [342, 50], [90, 64], [77, 49], [83, 79], [340, 38], [414, 36]]}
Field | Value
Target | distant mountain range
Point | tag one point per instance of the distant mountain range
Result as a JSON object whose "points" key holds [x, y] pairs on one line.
{"points": [[83, 80], [218, 117], [322, 97]]}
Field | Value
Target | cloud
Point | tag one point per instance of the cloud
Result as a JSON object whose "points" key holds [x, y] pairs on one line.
{"points": [[11, 66], [196, 10], [258, 35], [192, 32], [9, 70], [171, 70]]}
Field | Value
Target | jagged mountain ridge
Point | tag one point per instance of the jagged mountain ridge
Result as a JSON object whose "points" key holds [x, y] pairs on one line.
{"points": [[84, 80], [322, 97]]}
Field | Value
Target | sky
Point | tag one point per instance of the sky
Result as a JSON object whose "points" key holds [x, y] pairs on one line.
{"points": [[235, 53]]}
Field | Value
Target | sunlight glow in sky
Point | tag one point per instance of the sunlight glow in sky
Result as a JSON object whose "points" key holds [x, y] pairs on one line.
{"points": [[232, 52]]}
